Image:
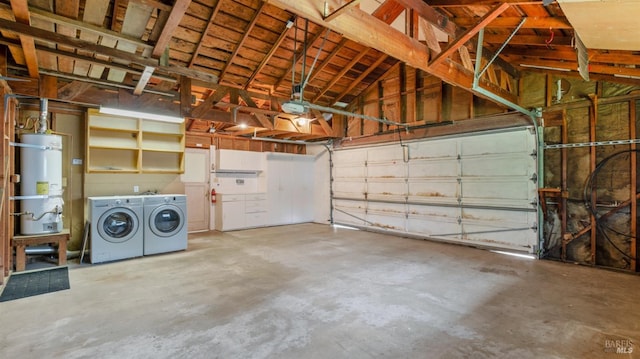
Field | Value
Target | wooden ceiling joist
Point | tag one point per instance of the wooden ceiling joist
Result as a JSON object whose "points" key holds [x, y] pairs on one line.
{"points": [[362, 76], [239, 45], [177, 12], [205, 32], [531, 23], [340, 74], [272, 50], [358, 25], [21, 12]]}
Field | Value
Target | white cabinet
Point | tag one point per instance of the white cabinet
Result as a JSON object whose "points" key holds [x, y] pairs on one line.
{"points": [[239, 211], [240, 161], [289, 188]]}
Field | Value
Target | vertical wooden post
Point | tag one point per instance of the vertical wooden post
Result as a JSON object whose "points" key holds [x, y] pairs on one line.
{"points": [[381, 113], [634, 187], [593, 119], [549, 91], [403, 93], [185, 96], [563, 199]]}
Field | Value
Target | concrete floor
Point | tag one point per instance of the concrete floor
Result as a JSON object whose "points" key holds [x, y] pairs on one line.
{"points": [[309, 291]]}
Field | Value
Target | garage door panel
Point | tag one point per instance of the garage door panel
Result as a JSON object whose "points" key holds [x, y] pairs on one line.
{"points": [[497, 192], [349, 212], [491, 166], [387, 216], [434, 149], [434, 221], [348, 172], [350, 189], [385, 154], [387, 190], [500, 228], [433, 191], [484, 197], [505, 142], [386, 170], [434, 168]]}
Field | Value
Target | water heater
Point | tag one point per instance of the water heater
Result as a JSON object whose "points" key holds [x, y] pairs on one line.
{"points": [[41, 183]]}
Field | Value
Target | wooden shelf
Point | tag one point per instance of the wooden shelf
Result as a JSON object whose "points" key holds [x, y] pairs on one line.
{"points": [[118, 144]]}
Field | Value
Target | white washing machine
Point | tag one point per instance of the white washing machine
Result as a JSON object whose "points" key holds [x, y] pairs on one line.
{"points": [[116, 228], [165, 223]]}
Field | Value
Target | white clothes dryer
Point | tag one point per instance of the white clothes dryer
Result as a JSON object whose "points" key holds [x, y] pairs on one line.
{"points": [[116, 228], [165, 223]]}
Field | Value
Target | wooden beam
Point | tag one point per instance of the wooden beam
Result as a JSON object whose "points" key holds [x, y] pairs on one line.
{"points": [[204, 33], [464, 3], [177, 12], [531, 23], [431, 15], [633, 249], [239, 45], [298, 56], [265, 60], [528, 40], [262, 118], [359, 27], [362, 76], [323, 123], [469, 33], [328, 59], [339, 75], [340, 10], [144, 79], [71, 90], [593, 120], [55, 38], [21, 12], [430, 35], [48, 86], [70, 9], [210, 101], [185, 96]]}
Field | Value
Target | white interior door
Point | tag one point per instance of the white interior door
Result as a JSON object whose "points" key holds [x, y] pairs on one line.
{"points": [[477, 189], [196, 187]]}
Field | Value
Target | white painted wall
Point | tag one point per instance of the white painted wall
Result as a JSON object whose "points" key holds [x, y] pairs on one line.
{"points": [[321, 184]]}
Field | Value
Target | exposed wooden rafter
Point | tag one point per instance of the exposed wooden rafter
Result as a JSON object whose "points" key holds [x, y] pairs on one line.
{"points": [[214, 12], [265, 60], [239, 45], [335, 79], [21, 13], [177, 12], [358, 25]]}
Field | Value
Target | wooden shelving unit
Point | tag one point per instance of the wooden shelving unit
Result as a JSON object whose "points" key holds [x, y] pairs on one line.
{"points": [[118, 144]]}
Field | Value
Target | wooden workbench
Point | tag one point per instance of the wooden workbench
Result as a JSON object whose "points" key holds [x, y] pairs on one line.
{"points": [[20, 242]]}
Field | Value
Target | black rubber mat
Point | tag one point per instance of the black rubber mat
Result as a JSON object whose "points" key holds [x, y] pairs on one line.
{"points": [[21, 285]]}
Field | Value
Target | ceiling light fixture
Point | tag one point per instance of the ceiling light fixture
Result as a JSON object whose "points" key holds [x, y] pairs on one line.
{"points": [[545, 67], [301, 121], [144, 115]]}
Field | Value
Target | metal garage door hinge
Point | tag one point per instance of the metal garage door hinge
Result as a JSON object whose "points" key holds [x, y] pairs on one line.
{"points": [[535, 227], [534, 178]]}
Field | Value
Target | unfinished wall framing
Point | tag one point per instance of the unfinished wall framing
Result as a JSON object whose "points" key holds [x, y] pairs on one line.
{"points": [[590, 190]]}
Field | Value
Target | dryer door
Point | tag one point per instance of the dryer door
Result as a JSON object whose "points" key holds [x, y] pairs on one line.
{"points": [[118, 225], [166, 220]]}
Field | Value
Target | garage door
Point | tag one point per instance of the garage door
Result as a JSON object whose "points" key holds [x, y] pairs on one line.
{"points": [[477, 189]]}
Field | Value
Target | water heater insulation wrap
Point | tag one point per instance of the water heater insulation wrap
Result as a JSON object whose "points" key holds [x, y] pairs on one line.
{"points": [[41, 174]]}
